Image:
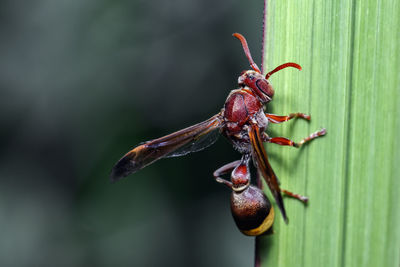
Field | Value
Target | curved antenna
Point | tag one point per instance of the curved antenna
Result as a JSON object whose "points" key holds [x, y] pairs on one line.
{"points": [[289, 64], [247, 51]]}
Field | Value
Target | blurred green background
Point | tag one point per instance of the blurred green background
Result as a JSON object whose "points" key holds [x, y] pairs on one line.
{"points": [[81, 83]]}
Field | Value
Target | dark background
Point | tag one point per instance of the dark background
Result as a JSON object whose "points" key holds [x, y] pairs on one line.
{"points": [[81, 83]]}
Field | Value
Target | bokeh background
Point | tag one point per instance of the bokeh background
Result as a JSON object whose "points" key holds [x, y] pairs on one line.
{"points": [[82, 82]]}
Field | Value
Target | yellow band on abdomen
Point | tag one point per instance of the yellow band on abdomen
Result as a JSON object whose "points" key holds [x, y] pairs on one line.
{"points": [[265, 225]]}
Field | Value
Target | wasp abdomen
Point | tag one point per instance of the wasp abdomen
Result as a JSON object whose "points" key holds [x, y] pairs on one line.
{"points": [[252, 211]]}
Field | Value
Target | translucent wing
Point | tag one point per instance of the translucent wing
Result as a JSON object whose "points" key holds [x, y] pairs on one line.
{"points": [[261, 160], [191, 139], [196, 144]]}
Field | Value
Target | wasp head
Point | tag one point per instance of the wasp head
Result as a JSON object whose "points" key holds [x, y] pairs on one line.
{"points": [[254, 79], [257, 83]]}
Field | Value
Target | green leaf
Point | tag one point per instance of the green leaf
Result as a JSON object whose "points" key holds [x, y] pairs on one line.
{"points": [[350, 84]]}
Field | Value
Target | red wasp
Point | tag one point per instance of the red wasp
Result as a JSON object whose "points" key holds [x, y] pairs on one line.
{"points": [[243, 122]]}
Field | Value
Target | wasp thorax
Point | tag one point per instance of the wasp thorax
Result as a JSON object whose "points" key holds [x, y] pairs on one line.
{"points": [[252, 211]]}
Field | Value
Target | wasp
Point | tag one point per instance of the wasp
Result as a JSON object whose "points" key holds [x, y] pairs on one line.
{"points": [[243, 122]]}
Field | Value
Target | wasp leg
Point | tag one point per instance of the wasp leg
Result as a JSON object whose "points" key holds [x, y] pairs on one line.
{"points": [[278, 119], [294, 195], [287, 142], [224, 170]]}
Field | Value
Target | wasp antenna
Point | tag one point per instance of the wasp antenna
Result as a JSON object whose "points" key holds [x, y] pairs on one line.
{"points": [[289, 64], [247, 51]]}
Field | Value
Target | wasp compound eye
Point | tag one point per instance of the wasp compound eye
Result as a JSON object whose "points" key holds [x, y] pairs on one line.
{"points": [[265, 87]]}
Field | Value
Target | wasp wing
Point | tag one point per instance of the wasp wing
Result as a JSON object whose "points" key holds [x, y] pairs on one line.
{"points": [[191, 139], [260, 158], [196, 144]]}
